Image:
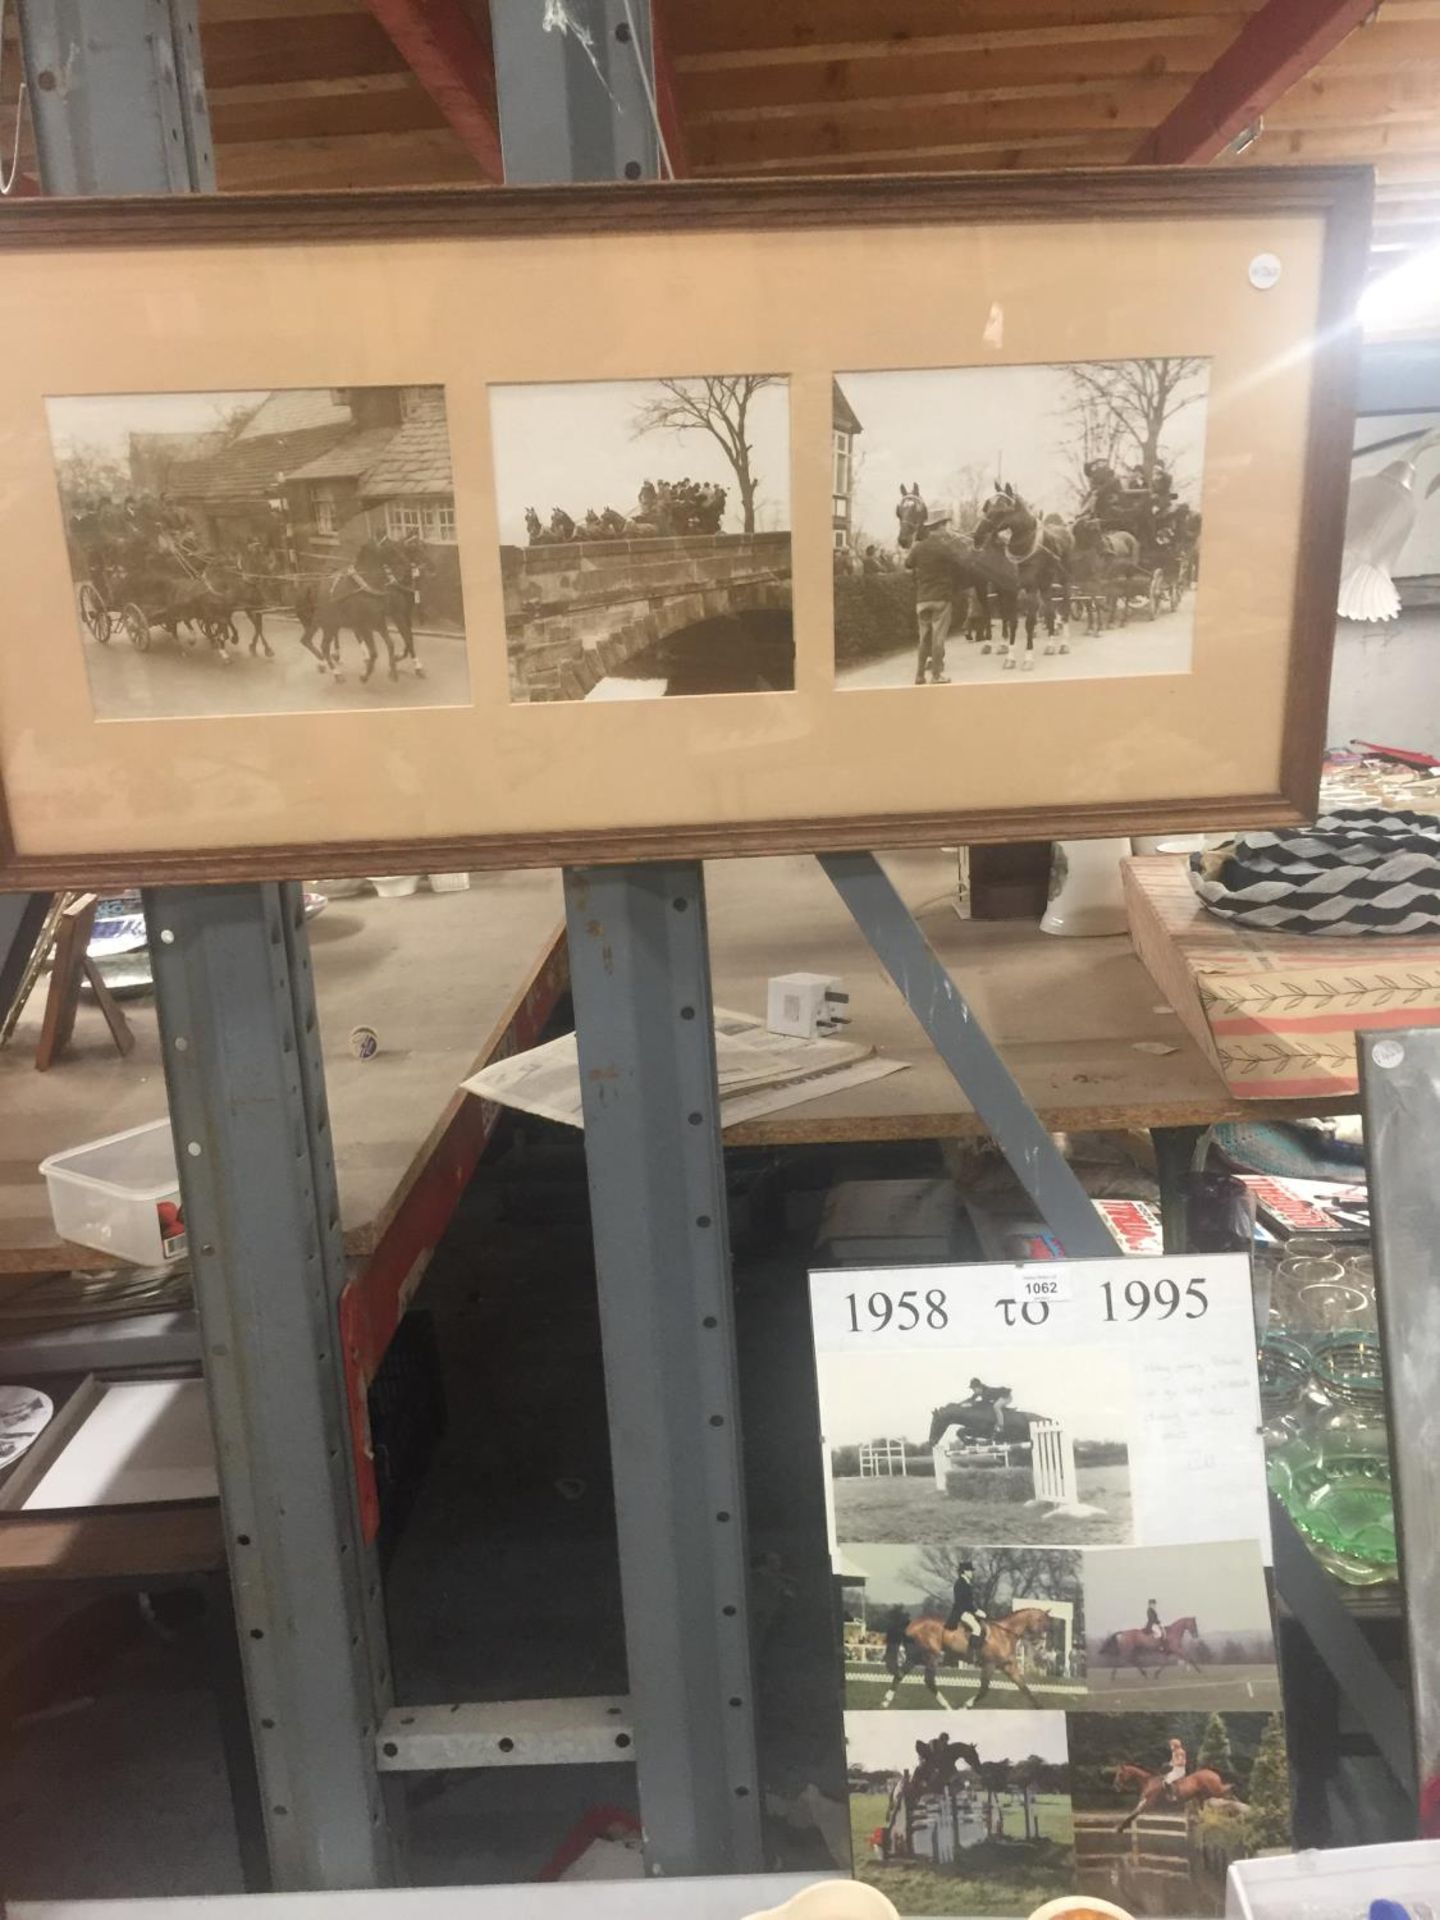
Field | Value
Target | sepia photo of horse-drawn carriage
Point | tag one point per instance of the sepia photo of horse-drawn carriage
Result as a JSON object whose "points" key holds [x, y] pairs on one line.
{"points": [[1020, 519], [266, 533]]}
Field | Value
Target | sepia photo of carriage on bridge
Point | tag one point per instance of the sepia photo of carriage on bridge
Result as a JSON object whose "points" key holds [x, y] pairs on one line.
{"points": [[645, 537], [281, 551], [993, 520], [991, 1448]]}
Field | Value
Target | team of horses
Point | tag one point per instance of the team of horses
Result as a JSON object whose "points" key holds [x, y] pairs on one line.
{"points": [[1018, 565], [168, 587]]}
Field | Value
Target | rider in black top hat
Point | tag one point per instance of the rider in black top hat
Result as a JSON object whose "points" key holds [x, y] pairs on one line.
{"points": [[965, 1608]]}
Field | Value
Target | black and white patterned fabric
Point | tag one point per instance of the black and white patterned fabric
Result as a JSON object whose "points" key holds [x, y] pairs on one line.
{"points": [[1353, 872]]}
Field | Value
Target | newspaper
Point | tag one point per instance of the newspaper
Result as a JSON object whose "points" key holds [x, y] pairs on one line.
{"points": [[759, 1072]]}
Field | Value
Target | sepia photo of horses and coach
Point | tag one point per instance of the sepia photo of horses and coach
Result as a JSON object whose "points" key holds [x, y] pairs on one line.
{"points": [[262, 552], [992, 520]]}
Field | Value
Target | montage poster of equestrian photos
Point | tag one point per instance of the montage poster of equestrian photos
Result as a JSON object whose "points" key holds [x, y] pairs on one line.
{"points": [[1048, 1526], [645, 536], [290, 551], [993, 520]]}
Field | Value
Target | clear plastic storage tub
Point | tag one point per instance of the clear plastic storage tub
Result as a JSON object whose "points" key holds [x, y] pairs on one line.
{"points": [[1337, 1884], [120, 1195]]}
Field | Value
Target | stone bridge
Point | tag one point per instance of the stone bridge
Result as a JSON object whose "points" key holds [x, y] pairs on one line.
{"points": [[580, 610]]}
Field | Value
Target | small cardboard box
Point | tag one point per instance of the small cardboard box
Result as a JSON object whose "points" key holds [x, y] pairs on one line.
{"points": [[1277, 1013]]}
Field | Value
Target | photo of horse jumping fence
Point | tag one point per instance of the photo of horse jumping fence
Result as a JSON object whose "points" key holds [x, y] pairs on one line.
{"points": [[934, 1827], [882, 1458], [1050, 1462], [1165, 1863]]}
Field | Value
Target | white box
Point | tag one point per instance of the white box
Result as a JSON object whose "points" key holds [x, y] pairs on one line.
{"points": [[804, 1004], [109, 1194], [1335, 1884]]}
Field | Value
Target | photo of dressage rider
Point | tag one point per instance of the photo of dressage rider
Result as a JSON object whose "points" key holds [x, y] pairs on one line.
{"points": [[965, 1609]]}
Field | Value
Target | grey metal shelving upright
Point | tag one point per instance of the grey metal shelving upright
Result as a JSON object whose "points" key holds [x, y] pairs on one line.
{"points": [[117, 91], [238, 1022]]}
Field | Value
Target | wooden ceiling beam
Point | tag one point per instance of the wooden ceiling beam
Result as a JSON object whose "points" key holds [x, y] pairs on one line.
{"points": [[331, 46], [845, 86], [440, 45], [1396, 150], [794, 89], [904, 57], [1275, 48], [1385, 105], [212, 12], [400, 81], [331, 115], [432, 156], [1084, 144], [789, 145], [741, 32]]}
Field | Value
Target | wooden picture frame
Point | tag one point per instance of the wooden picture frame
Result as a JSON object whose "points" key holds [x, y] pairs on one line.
{"points": [[502, 304]]}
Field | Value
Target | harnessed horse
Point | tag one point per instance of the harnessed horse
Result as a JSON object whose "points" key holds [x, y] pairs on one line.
{"points": [[1040, 552], [354, 598]]}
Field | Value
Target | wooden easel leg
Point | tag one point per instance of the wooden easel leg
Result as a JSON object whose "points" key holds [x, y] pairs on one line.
{"points": [[77, 923], [114, 1016]]}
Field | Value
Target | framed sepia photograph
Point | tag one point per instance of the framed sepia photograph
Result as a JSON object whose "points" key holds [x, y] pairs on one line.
{"points": [[292, 534], [447, 529], [1058, 526]]}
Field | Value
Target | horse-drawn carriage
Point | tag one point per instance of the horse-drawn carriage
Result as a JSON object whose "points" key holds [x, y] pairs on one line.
{"points": [[152, 581], [1099, 569], [1161, 573], [155, 587]]}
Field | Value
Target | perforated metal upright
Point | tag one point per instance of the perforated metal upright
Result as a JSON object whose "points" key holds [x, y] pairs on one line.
{"points": [[574, 105], [118, 96]]}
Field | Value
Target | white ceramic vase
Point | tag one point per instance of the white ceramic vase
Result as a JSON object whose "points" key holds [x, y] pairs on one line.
{"points": [[1086, 895]]}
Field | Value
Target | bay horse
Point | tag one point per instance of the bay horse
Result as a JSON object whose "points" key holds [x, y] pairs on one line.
{"points": [[929, 1641], [1130, 1642], [1198, 1787]]}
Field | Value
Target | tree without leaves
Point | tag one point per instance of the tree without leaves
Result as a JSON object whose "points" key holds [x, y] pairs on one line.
{"points": [[1131, 402], [1002, 1574], [87, 472], [717, 405], [1095, 435]]}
